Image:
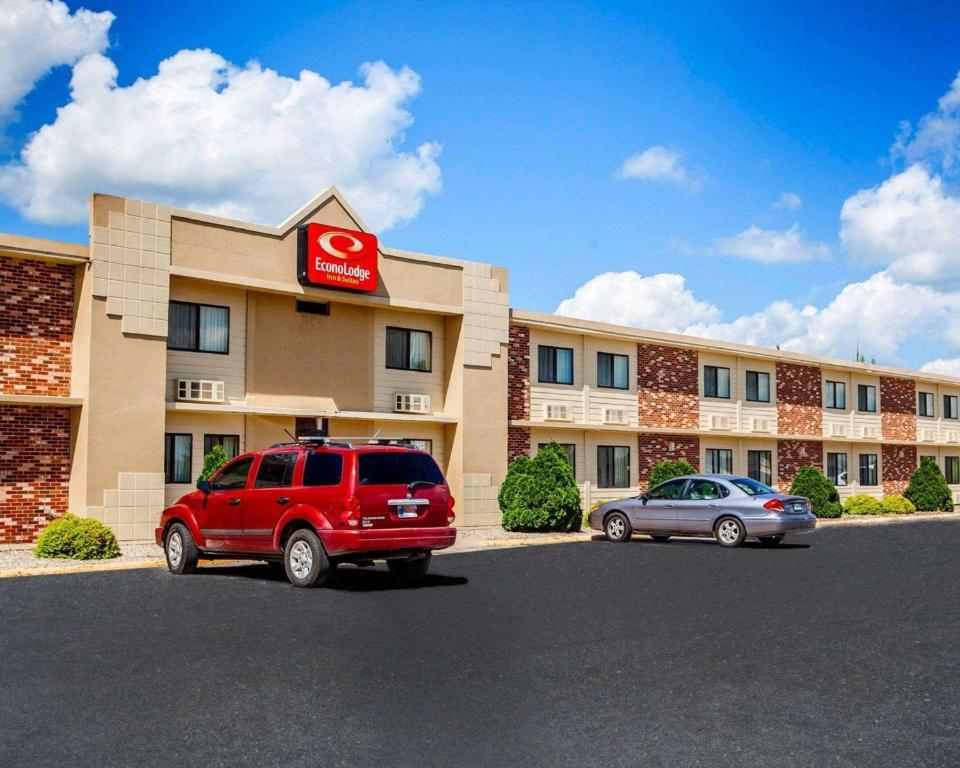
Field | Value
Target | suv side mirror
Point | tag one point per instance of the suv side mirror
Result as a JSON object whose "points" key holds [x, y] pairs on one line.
{"points": [[204, 486]]}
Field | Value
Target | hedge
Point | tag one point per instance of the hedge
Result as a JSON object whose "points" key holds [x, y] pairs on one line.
{"points": [[862, 504], [76, 538], [667, 470], [897, 505], [824, 499], [541, 494], [928, 490]]}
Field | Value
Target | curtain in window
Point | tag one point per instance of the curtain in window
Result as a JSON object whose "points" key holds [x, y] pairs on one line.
{"points": [[952, 467], [546, 370], [419, 351], [565, 366], [182, 330], [214, 329], [621, 371], [868, 469], [613, 466], [178, 458], [760, 466], [398, 353], [837, 468], [719, 461]]}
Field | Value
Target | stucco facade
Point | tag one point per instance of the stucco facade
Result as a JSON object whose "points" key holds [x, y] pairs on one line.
{"points": [[106, 411]]}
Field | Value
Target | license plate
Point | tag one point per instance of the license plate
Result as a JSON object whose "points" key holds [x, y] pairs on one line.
{"points": [[410, 511], [798, 508]]}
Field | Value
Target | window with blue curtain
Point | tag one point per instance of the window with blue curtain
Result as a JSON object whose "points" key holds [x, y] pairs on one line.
{"points": [[409, 350], [177, 457], [554, 365], [613, 371], [198, 328]]}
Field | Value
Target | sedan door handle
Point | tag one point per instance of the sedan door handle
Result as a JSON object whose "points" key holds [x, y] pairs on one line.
{"points": [[712, 506], [283, 500], [234, 502], [668, 506]]}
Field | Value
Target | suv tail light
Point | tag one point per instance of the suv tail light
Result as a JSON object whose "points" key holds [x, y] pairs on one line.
{"points": [[451, 515], [774, 505], [351, 512]]}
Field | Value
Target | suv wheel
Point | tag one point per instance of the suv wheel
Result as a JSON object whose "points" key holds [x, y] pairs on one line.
{"points": [[729, 532], [305, 560], [410, 569], [617, 527], [180, 549]]}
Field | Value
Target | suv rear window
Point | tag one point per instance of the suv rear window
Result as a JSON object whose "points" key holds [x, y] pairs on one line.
{"points": [[323, 469], [395, 468]]}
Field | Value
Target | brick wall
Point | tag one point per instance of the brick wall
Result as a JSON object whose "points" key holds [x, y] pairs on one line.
{"points": [[518, 366], [799, 399], [654, 448], [667, 387], [897, 464], [898, 408], [36, 327], [518, 442], [794, 455], [34, 469]]}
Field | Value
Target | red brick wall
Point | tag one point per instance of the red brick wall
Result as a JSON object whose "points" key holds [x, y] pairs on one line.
{"points": [[654, 448], [518, 373], [897, 464], [799, 399], [790, 460], [36, 327], [667, 387], [34, 469], [898, 409], [518, 442]]}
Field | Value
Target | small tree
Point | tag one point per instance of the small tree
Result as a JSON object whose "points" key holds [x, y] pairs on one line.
{"points": [[541, 494], [824, 499], [215, 459], [928, 488], [667, 470]]}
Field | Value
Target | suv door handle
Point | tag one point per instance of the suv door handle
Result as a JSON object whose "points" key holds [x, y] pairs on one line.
{"points": [[282, 500], [234, 502]]}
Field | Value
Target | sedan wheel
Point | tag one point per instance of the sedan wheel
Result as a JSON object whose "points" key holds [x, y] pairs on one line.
{"points": [[729, 532], [617, 527]]}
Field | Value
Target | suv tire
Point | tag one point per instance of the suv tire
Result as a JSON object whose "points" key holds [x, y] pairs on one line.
{"points": [[180, 550], [411, 569], [304, 559]]}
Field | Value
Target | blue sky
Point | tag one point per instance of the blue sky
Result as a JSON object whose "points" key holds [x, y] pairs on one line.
{"points": [[535, 108]]}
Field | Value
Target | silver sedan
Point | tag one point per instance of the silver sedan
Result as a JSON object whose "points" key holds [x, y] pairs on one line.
{"points": [[725, 506]]}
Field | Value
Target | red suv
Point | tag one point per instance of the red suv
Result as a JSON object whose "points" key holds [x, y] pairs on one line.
{"points": [[313, 504]]}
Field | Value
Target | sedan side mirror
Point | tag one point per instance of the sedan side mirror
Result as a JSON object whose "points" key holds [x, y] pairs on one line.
{"points": [[644, 497], [204, 486]]}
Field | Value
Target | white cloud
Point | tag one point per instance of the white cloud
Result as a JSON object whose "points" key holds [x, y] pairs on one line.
{"points": [[944, 366], [238, 141], [38, 35], [660, 301], [909, 222], [789, 201], [879, 312], [937, 136], [771, 246], [657, 164]]}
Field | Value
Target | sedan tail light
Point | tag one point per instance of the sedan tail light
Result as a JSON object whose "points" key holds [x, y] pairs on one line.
{"points": [[451, 516], [351, 512], [774, 505]]}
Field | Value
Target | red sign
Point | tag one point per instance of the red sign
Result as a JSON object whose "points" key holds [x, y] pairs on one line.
{"points": [[337, 258]]}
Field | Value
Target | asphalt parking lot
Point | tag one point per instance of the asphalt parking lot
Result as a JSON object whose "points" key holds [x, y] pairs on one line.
{"points": [[841, 648]]}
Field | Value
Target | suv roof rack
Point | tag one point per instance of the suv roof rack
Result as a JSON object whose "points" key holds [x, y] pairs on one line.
{"points": [[343, 442]]}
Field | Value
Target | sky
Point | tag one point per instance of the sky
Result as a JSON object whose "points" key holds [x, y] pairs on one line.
{"points": [[765, 173]]}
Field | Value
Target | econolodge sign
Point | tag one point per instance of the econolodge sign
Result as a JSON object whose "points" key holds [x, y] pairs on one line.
{"points": [[332, 257]]}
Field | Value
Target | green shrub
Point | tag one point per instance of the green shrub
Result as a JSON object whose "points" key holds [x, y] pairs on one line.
{"points": [[928, 490], [897, 505], [77, 538], [862, 504], [213, 461], [541, 494], [667, 470], [824, 499]]}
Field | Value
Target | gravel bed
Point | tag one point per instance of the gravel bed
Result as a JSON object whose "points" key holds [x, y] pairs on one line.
{"points": [[21, 558]]}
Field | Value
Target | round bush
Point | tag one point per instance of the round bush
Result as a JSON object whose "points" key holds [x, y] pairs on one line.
{"points": [[77, 538], [824, 499], [897, 505], [667, 470], [862, 504], [541, 494], [928, 490]]}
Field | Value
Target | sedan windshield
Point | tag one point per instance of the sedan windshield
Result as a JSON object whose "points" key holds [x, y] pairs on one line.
{"points": [[751, 487]]}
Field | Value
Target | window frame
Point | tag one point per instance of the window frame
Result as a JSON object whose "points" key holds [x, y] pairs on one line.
{"points": [[927, 399], [612, 356], [955, 410], [716, 452], [613, 449], [861, 469], [168, 457], [865, 388], [211, 439], [716, 382], [846, 469], [555, 349], [756, 375], [428, 448], [407, 331], [949, 461], [842, 385], [571, 454], [759, 452], [196, 335]]}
